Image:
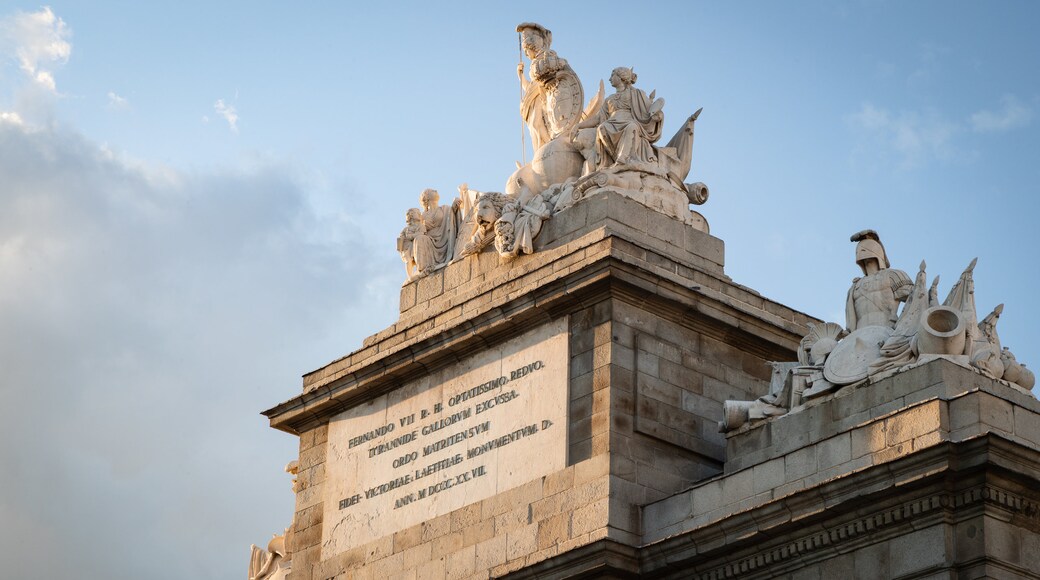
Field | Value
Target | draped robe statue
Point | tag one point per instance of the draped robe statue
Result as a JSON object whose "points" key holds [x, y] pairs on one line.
{"points": [[435, 247]]}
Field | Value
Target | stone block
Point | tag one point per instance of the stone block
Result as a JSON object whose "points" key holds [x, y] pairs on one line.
{"points": [[869, 438], [996, 413], [460, 564], [553, 530], [737, 486], [769, 475], [801, 463], [465, 517], [557, 482], [417, 555], [590, 517], [667, 512], [490, 553], [436, 527], [408, 295], [917, 551], [1027, 425], [446, 544], [521, 542], [432, 570], [913, 422], [478, 532]]}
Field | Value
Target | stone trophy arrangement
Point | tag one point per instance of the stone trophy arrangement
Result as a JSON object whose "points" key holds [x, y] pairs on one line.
{"points": [[879, 339], [579, 150]]}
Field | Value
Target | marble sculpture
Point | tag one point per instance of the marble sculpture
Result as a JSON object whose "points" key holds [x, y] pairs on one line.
{"points": [[880, 339], [274, 563], [580, 149]]}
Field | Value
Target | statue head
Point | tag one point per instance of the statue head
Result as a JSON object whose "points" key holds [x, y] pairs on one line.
{"points": [[622, 76], [869, 248], [534, 38], [413, 216], [489, 208], [428, 198]]}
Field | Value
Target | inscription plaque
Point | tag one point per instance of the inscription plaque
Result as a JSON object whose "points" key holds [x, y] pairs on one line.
{"points": [[482, 426]]}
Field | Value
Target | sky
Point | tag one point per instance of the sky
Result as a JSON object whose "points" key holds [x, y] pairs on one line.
{"points": [[199, 202]]}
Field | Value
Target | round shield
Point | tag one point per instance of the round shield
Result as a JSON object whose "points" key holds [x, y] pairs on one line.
{"points": [[851, 358]]}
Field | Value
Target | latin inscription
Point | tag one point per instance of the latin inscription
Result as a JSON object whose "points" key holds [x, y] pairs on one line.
{"points": [[490, 422], [414, 443]]}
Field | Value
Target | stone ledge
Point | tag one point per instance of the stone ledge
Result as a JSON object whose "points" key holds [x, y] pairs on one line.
{"points": [[766, 537], [773, 468], [854, 407]]}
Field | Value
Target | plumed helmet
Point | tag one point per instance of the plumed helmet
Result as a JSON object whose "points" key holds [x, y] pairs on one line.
{"points": [[868, 247]]}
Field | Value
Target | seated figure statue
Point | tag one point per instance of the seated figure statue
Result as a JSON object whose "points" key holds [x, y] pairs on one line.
{"points": [[627, 124], [435, 246]]}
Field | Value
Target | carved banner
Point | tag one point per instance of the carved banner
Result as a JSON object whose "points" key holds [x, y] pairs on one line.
{"points": [[461, 434]]}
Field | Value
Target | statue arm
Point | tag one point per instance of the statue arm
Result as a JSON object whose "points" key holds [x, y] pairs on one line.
{"points": [[902, 285], [524, 83], [594, 119], [850, 309]]}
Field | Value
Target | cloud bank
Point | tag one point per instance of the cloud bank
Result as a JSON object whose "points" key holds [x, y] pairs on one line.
{"points": [[146, 316]]}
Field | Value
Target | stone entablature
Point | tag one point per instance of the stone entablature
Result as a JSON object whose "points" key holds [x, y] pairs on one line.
{"points": [[874, 472]]}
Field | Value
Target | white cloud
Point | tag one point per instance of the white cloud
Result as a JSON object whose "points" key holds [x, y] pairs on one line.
{"points": [[914, 137], [229, 113], [11, 117], [147, 314], [1013, 114], [117, 102], [38, 41]]}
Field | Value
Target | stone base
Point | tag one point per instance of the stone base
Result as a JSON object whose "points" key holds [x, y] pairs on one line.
{"points": [[931, 473]]}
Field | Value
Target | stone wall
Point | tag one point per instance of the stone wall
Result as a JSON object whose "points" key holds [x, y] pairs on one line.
{"points": [[658, 337]]}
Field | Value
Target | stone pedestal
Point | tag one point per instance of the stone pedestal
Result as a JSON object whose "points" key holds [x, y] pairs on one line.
{"points": [[640, 337]]}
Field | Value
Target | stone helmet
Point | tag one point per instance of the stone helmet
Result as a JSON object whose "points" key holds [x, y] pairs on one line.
{"points": [[542, 31], [869, 247]]}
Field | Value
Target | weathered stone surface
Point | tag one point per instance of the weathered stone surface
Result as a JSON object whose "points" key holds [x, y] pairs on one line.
{"points": [[485, 426]]}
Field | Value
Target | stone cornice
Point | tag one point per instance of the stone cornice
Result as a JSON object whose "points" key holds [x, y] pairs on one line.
{"points": [[883, 501], [611, 266]]}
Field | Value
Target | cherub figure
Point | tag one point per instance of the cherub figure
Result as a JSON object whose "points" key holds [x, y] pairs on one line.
{"points": [[406, 241]]}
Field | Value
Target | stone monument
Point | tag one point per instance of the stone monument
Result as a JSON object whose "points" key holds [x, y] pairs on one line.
{"points": [[576, 389]]}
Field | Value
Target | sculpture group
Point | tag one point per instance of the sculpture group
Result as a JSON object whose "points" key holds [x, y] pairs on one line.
{"points": [[579, 150], [880, 339]]}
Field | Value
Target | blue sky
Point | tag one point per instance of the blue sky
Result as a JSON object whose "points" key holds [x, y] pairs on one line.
{"points": [[199, 200]]}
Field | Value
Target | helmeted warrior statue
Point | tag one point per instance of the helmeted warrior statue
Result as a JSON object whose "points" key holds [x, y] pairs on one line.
{"points": [[874, 299], [553, 98]]}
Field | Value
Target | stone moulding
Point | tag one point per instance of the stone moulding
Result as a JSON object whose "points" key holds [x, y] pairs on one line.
{"points": [[954, 483]]}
